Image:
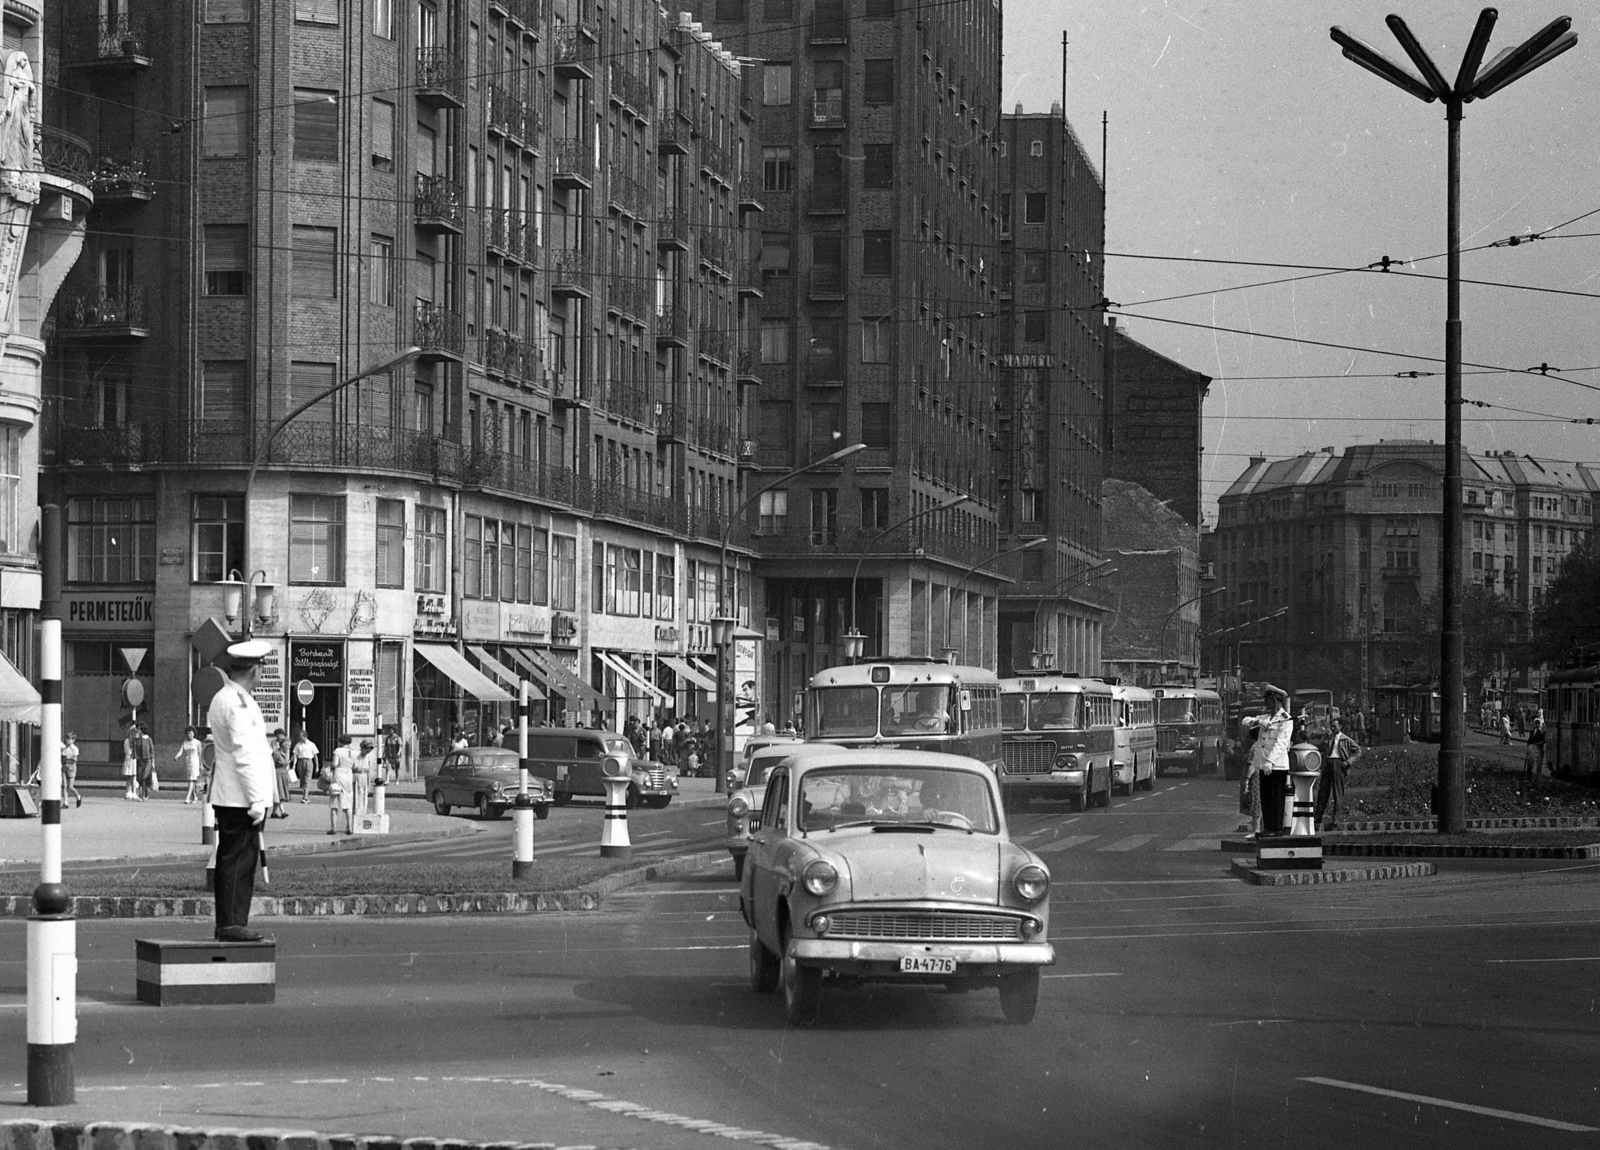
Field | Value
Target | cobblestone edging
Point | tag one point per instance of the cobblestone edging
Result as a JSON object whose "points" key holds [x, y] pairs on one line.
{"points": [[25, 1135], [320, 906], [1456, 851], [1246, 869], [1530, 822]]}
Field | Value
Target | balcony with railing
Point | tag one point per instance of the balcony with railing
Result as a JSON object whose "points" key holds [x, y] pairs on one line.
{"points": [[672, 326], [572, 163], [716, 160], [750, 279], [627, 294], [715, 254], [627, 195], [574, 52], [627, 401], [827, 111], [529, 13], [66, 157], [512, 357], [436, 331], [118, 42], [630, 91], [672, 229], [750, 191], [715, 344], [673, 133], [122, 181], [571, 272], [506, 114], [749, 369], [507, 232], [714, 429], [438, 204], [439, 77], [105, 312]]}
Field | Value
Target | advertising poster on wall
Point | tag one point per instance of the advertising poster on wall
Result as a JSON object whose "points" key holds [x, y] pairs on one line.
{"points": [[361, 690], [747, 691], [269, 688]]}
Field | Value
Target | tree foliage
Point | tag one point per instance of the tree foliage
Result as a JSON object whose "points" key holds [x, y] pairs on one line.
{"points": [[1569, 617]]}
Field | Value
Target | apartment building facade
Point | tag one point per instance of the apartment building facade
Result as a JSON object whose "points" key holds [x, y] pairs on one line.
{"points": [[544, 199]]}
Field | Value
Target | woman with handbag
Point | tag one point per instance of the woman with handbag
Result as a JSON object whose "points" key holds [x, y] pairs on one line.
{"points": [[341, 783]]}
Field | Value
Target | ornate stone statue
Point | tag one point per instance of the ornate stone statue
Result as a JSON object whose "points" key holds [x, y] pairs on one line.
{"points": [[19, 175]]}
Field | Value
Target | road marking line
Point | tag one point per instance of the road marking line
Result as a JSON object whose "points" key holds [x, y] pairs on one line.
{"points": [[1139, 798], [1585, 958], [714, 823], [1132, 842], [1071, 841], [1099, 974], [1489, 1112], [1208, 844], [627, 1109]]}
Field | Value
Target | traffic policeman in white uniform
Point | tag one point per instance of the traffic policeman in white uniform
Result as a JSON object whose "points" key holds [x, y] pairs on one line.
{"points": [[241, 788]]}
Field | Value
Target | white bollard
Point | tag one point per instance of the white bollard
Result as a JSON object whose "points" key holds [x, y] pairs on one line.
{"points": [[208, 822], [522, 814], [378, 804], [614, 841]]}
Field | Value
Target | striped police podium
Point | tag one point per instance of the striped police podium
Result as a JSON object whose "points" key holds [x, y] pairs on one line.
{"points": [[183, 972]]}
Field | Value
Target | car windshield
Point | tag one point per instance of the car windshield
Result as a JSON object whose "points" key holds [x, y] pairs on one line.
{"points": [[1056, 711], [897, 795], [921, 709], [617, 745], [493, 758], [1174, 710], [1013, 712], [844, 712], [761, 766]]}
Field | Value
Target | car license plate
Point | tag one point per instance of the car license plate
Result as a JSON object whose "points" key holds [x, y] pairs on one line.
{"points": [[927, 964]]}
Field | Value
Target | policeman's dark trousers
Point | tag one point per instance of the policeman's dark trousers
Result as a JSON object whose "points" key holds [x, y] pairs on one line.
{"points": [[1274, 790], [238, 846]]}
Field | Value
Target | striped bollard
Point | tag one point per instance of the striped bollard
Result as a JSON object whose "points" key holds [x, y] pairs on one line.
{"points": [[52, 930], [522, 816], [208, 822], [614, 831]]}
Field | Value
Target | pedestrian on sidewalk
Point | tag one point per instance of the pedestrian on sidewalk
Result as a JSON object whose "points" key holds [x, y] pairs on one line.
{"points": [[281, 778], [361, 768], [69, 769], [1505, 730], [189, 755], [305, 755], [391, 755], [341, 782], [1533, 758], [1343, 751], [130, 766], [144, 758], [241, 788]]}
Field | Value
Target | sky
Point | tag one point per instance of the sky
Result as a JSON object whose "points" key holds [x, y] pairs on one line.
{"points": [[1237, 131]]}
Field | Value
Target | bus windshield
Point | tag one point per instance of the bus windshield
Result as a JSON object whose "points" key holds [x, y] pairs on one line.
{"points": [[844, 712], [1056, 711], [1013, 712], [922, 709], [1175, 711]]}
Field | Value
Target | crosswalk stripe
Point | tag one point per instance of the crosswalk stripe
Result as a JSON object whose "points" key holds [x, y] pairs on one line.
{"points": [[1209, 844], [1069, 842], [1132, 842]]}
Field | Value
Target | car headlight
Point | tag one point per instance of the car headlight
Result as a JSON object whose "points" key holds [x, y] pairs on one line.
{"points": [[1066, 762], [737, 807], [1031, 882], [819, 878]]}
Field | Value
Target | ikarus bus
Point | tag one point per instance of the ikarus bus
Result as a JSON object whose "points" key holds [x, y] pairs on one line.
{"points": [[911, 703], [1060, 731], [1133, 761]]}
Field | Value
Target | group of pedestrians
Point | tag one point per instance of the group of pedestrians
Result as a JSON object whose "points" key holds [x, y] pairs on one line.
{"points": [[692, 749]]}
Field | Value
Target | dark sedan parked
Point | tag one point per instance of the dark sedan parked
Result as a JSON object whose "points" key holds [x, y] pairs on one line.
{"points": [[486, 778]]}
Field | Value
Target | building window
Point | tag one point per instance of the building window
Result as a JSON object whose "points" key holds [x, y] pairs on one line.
{"points": [[874, 508], [827, 339], [878, 9], [1005, 213], [824, 516], [564, 555], [775, 339], [1036, 148], [383, 135], [877, 253], [226, 256], [313, 263], [777, 166], [430, 548], [825, 431], [773, 513], [1035, 267], [775, 85], [666, 587], [381, 273], [875, 338], [317, 11], [876, 430], [827, 89], [218, 536], [776, 253], [224, 129], [222, 392], [539, 574], [1034, 326], [879, 86], [111, 540], [316, 539], [1033, 207], [390, 569], [316, 125], [227, 12], [730, 11], [778, 10], [12, 529], [622, 580], [878, 169], [383, 19]]}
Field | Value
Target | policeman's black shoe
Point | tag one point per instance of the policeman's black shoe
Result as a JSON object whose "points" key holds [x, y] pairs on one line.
{"points": [[238, 934]]}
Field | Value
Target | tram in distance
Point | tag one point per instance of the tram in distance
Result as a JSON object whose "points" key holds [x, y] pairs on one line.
{"points": [[1060, 736], [913, 703], [1572, 721], [1189, 724]]}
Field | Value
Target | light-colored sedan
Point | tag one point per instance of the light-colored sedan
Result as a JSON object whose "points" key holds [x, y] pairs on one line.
{"points": [[891, 866], [750, 791]]}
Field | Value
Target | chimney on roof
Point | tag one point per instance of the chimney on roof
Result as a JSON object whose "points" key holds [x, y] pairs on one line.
{"points": [[1055, 107], [1019, 107], [1257, 459]]}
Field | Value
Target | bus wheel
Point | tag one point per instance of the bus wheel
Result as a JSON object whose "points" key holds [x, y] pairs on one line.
{"points": [[1078, 803]]}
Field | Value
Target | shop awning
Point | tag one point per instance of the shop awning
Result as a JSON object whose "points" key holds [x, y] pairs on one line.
{"points": [[620, 664], [502, 672], [453, 664], [693, 673], [19, 702], [559, 679]]}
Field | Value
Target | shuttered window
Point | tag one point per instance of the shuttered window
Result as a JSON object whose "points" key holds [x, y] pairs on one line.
{"points": [[313, 263], [307, 380], [222, 390], [383, 135], [316, 125], [224, 126], [226, 257], [317, 11], [879, 87], [226, 12]]}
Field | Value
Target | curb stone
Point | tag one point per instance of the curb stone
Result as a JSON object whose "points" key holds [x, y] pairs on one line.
{"points": [[27, 1134], [1457, 851], [416, 905], [1246, 870], [1519, 822]]}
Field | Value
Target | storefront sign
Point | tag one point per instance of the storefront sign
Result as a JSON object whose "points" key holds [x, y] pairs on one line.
{"points": [[1027, 361], [322, 663], [269, 689], [563, 627], [433, 617], [532, 621], [107, 611], [667, 637], [362, 685], [699, 637], [480, 621]]}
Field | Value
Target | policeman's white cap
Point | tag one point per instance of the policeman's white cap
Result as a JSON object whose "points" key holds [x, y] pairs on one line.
{"points": [[249, 652]]}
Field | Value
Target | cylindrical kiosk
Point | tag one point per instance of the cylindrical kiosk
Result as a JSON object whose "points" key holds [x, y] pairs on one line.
{"points": [[614, 831], [522, 816], [52, 930]]}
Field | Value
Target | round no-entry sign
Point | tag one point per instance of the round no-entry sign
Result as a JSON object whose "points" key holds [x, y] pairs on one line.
{"points": [[305, 692]]}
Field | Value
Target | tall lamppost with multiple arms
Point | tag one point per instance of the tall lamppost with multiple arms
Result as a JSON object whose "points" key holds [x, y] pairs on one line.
{"points": [[1162, 655], [1471, 83], [854, 641], [726, 621], [1057, 592], [950, 650]]}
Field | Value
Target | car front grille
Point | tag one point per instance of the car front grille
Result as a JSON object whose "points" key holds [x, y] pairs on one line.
{"points": [[1166, 740], [1029, 758], [927, 926], [658, 778]]}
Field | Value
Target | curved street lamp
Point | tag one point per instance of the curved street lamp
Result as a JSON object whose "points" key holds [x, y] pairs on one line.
{"points": [[1471, 83], [949, 650], [1168, 621], [1061, 586], [726, 621], [854, 641]]}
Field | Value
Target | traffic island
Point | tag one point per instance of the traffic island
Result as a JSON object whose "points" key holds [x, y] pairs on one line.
{"points": [[1250, 872]]}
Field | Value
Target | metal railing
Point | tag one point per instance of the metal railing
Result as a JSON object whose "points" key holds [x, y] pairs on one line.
{"points": [[112, 175], [629, 89], [627, 400], [438, 70], [438, 199], [627, 294], [572, 44], [714, 251], [506, 114], [65, 156], [714, 428], [100, 307], [672, 321], [572, 157], [714, 343], [672, 226], [827, 110], [627, 193], [507, 230], [120, 35], [434, 329]]}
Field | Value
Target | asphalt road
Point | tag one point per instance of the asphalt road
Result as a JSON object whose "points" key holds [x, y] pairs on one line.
{"points": [[1185, 1009]]}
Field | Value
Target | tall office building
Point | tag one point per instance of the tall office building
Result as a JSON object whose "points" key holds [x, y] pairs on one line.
{"points": [[544, 198]]}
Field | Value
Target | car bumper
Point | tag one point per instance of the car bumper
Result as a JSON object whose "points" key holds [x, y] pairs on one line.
{"points": [[883, 958], [738, 847], [1074, 782]]}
